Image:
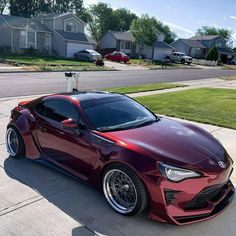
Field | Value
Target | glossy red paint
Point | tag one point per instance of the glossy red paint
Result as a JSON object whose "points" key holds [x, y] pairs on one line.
{"points": [[117, 56], [85, 154]]}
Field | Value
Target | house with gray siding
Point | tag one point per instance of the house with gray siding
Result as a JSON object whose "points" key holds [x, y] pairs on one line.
{"points": [[19, 33], [68, 33], [57, 34], [118, 41], [122, 41], [198, 47]]}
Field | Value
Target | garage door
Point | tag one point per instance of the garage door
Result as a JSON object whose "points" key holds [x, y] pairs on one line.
{"points": [[72, 48], [160, 54]]}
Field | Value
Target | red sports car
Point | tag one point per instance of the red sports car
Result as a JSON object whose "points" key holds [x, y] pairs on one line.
{"points": [[117, 56], [176, 170]]}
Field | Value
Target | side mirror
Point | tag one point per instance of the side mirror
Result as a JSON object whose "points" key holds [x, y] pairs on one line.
{"points": [[69, 124]]}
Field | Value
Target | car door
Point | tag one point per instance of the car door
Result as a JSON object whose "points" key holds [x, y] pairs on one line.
{"points": [[67, 148]]}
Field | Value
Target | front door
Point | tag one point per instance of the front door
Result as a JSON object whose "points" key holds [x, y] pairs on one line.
{"points": [[68, 148]]}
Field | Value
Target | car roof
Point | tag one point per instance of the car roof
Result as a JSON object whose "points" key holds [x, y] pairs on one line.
{"points": [[92, 95]]}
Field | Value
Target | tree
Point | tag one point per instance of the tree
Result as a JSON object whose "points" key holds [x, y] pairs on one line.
{"points": [[3, 5], [207, 30], [100, 20], [169, 35], [28, 8], [212, 54], [122, 19], [32, 8], [144, 30]]}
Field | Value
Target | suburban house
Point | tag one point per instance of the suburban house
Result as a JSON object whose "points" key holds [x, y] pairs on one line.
{"points": [[68, 33], [19, 33], [198, 47], [122, 41], [58, 34], [118, 41]]}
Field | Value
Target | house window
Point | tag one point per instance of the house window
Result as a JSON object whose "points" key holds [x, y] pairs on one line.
{"points": [[27, 39], [32, 37], [127, 45], [122, 45], [70, 27], [23, 43]]}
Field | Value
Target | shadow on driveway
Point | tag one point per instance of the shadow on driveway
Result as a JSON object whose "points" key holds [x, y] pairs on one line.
{"points": [[89, 207]]}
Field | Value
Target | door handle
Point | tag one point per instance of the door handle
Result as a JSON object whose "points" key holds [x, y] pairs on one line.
{"points": [[43, 129]]}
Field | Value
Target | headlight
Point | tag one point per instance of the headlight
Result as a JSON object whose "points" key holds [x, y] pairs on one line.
{"points": [[177, 174]]}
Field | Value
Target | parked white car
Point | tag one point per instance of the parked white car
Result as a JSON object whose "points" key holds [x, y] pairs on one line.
{"points": [[88, 55], [180, 57]]}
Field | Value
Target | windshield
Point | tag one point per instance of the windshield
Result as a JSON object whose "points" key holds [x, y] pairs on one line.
{"points": [[117, 114], [93, 52]]}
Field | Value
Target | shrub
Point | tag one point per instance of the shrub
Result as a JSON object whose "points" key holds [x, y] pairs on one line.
{"points": [[5, 50], [212, 54]]}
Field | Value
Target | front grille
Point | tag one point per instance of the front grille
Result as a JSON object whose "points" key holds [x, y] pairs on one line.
{"points": [[208, 194]]}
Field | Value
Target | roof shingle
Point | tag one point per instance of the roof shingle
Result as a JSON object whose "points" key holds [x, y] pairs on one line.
{"points": [[82, 37], [25, 23], [121, 35], [193, 43], [205, 37]]}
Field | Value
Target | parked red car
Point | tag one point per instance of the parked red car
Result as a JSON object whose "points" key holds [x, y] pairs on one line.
{"points": [[117, 56], [178, 171]]}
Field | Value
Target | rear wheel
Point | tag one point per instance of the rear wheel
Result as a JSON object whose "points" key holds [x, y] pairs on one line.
{"points": [[123, 190], [14, 142]]}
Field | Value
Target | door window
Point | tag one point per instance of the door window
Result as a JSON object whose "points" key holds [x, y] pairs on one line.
{"points": [[57, 110]]}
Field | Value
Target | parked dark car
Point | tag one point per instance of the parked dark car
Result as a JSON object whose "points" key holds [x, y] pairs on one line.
{"points": [[178, 171], [117, 56], [88, 55]]}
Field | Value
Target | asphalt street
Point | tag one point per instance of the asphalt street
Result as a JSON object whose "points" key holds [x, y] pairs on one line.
{"points": [[20, 84]]}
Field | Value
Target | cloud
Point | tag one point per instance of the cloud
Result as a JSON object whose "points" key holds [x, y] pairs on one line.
{"points": [[233, 17], [168, 7], [180, 31]]}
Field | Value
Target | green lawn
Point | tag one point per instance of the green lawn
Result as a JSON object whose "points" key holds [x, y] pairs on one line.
{"points": [[158, 64], [42, 60], [142, 88], [49, 63], [206, 105]]}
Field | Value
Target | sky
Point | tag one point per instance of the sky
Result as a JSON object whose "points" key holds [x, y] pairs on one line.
{"points": [[183, 17]]}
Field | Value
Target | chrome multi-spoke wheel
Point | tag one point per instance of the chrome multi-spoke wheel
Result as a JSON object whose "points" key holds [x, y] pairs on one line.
{"points": [[120, 191], [14, 143], [123, 190]]}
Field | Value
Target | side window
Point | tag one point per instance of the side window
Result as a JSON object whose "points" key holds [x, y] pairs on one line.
{"points": [[58, 110], [40, 108]]}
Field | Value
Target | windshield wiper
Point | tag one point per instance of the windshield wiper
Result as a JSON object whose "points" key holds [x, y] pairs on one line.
{"points": [[146, 123]]}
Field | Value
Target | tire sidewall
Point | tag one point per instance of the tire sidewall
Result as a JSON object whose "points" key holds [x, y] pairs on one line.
{"points": [[142, 197]]}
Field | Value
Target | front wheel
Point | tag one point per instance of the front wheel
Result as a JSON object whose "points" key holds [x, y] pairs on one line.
{"points": [[123, 190], [14, 143], [182, 61]]}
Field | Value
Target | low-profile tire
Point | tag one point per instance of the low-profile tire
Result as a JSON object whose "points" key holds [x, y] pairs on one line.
{"points": [[123, 190], [14, 143]]}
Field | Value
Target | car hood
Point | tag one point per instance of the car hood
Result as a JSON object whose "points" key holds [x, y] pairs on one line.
{"points": [[187, 57], [173, 142]]}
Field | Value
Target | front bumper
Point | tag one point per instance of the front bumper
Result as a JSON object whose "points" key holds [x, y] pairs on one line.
{"points": [[191, 200]]}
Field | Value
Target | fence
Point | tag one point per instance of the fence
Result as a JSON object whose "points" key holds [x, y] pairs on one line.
{"points": [[204, 62]]}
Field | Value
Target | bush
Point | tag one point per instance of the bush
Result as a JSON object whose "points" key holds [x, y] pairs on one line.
{"points": [[5, 50], [31, 51], [212, 54]]}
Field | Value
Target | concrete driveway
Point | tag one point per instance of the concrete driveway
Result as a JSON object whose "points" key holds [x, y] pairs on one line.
{"points": [[38, 200]]}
